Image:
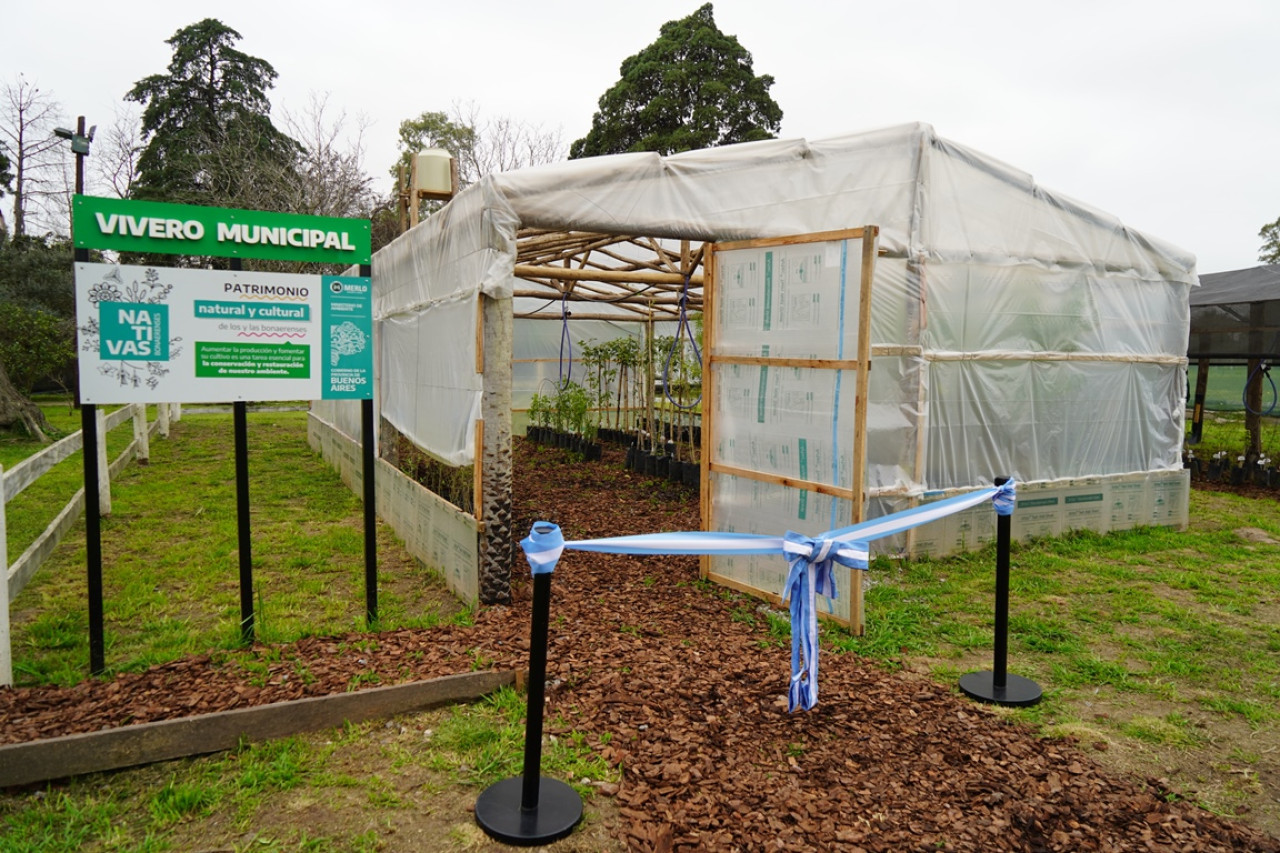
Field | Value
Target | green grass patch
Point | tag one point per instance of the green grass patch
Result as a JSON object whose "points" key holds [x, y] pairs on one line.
{"points": [[484, 743], [171, 559], [1178, 615]]}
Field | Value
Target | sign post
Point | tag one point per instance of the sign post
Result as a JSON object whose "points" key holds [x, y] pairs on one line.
{"points": [[150, 334]]}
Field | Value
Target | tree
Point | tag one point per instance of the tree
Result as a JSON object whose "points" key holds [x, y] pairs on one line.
{"points": [[6, 185], [692, 88], [37, 326], [1269, 253], [438, 130], [480, 146], [207, 126], [114, 164], [330, 165], [38, 158]]}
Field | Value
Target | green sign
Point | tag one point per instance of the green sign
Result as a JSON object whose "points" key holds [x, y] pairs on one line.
{"points": [[347, 310], [179, 335], [253, 361], [188, 229], [131, 331]]}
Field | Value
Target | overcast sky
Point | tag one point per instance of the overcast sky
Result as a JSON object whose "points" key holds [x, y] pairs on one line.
{"points": [[1160, 112]]}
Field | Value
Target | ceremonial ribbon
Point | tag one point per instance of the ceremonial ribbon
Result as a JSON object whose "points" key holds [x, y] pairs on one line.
{"points": [[810, 561]]}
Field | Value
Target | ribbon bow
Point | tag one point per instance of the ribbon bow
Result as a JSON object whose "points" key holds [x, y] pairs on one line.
{"points": [[811, 562]]}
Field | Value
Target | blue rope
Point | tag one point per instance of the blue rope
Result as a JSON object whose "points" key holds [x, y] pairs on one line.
{"points": [[1244, 398], [686, 329]]}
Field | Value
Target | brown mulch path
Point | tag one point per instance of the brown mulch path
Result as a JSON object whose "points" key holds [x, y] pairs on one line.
{"points": [[692, 705]]}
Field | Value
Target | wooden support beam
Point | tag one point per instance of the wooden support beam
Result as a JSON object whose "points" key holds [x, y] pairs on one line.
{"points": [[638, 317], [636, 276], [812, 363]]}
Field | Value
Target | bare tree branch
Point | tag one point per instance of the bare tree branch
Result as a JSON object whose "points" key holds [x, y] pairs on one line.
{"points": [[27, 119]]}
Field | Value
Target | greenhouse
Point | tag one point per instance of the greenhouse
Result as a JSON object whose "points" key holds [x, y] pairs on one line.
{"points": [[887, 318]]}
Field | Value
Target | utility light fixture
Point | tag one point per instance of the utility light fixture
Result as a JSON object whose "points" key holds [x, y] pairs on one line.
{"points": [[79, 144]]}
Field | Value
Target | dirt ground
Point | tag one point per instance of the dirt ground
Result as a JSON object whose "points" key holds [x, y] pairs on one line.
{"points": [[684, 690]]}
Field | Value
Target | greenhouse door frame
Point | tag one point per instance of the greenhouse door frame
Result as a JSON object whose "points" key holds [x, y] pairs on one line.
{"points": [[860, 364]]}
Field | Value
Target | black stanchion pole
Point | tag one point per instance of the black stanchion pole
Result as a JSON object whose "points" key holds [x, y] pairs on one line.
{"points": [[998, 687], [532, 809]]}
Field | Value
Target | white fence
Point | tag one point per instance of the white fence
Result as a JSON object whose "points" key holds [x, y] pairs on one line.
{"points": [[26, 472]]}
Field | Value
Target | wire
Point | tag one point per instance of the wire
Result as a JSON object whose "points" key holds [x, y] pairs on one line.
{"points": [[682, 328], [1244, 398], [565, 338]]}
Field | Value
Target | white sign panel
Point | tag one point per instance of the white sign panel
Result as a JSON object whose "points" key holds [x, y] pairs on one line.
{"points": [[161, 334]]}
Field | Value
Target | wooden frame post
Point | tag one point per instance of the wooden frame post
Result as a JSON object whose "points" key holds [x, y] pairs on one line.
{"points": [[855, 490]]}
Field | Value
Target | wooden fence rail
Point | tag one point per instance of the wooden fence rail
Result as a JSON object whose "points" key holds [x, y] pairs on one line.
{"points": [[26, 472]]}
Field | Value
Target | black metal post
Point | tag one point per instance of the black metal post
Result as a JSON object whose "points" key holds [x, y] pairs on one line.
{"points": [[532, 809], [89, 447], [537, 691], [370, 514], [369, 459], [242, 521], [998, 687], [93, 535]]}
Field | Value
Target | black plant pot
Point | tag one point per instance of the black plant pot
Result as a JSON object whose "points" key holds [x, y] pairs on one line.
{"points": [[675, 471], [650, 464], [662, 464], [692, 474], [1215, 470]]}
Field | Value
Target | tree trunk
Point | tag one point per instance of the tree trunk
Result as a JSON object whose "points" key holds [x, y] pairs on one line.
{"points": [[16, 409]]}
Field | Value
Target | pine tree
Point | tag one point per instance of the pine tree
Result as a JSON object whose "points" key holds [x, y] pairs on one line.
{"points": [[692, 88], [207, 125]]}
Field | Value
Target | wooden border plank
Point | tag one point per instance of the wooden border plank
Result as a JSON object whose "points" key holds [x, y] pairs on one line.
{"points": [[145, 743]]}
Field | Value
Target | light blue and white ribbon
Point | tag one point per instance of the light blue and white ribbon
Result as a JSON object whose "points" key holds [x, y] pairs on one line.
{"points": [[810, 560]]}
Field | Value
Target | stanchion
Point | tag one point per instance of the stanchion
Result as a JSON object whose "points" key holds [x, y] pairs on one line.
{"points": [[532, 809], [998, 687]]}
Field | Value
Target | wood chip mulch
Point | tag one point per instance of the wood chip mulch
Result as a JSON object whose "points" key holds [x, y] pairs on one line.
{"points": [[684, 689]]}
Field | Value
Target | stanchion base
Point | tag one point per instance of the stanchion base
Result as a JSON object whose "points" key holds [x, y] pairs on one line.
{"points": [[499, 814], [1016, 691]]}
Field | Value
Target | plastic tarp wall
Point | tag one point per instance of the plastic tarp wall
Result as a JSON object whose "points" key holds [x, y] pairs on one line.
{"points": [[1024, 333], [426, 305], [1014, 331]]}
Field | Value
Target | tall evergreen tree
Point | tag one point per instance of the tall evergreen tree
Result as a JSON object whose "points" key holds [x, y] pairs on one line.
{"points": [[1269, 252], [692, 88], [207, 125], [6, 185]]}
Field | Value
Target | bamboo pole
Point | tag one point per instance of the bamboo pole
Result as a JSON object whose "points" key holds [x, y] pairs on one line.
{"points": [[477, 473], [870, 236], [636, 276], [708, 405]]}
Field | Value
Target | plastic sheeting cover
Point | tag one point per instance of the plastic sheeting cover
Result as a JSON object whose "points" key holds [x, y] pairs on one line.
{"points": [[1015, 314]]}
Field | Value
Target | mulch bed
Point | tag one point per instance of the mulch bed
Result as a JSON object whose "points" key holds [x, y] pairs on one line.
{"points": [[691, 695]]}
